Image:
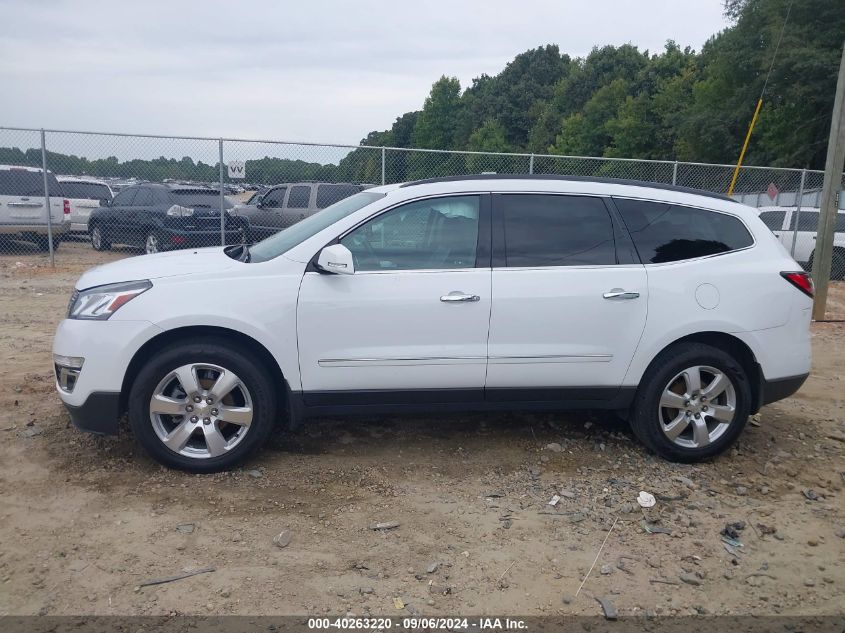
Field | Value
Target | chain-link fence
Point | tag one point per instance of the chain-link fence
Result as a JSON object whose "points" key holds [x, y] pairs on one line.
{"points": [[131, 194]]}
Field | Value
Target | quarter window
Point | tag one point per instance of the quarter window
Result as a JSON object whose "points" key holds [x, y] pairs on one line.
{"points": [[665, 232], [298, 198], [551, 230], [438, 233], [773, 219]]}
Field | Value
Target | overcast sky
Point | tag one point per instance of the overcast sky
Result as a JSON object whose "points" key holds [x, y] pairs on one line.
{"points": [[309, 71]]}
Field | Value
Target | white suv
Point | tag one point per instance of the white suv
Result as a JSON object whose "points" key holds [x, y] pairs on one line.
{"points": [[677, 307], [782, 222], [23, 213]]}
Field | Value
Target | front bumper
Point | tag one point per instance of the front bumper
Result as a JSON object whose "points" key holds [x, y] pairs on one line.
{"points": [[99, 413]]}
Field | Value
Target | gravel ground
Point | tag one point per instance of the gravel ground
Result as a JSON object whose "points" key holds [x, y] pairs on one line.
{"points": [[84, 521]]}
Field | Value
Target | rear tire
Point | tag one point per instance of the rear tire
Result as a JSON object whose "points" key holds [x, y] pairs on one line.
{"points": [[199, 437], [663, 415], [152, 243]]}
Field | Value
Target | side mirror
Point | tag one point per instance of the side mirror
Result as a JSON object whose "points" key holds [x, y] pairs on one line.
{"points": [[336, 259]]}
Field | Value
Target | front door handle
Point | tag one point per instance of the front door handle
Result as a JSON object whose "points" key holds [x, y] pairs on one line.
{"points": [[618, 293], [456, 296]]}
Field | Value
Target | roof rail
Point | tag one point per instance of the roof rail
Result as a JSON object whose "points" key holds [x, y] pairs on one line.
{"points": [[610, 181]]}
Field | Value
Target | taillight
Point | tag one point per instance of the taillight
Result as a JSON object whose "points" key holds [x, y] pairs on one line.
{"points": [[801, 280], [66, 207]]}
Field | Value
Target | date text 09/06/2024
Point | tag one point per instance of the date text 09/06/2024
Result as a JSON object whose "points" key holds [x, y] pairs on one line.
{"points": [[416, 623]]}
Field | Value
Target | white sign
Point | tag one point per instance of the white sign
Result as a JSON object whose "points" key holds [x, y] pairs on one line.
{"points": [[237, 169]]}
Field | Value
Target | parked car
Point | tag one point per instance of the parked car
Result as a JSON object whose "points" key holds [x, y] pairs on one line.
{"points": [[84, 195], [284, 205], [161, 217], [255, 198], [23, 208], [782, 221], [674, 306]]}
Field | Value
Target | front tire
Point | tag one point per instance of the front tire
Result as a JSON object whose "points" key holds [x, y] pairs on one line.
{"points": [[692, 403], [152, 243], [98, 240], [202, 406]]}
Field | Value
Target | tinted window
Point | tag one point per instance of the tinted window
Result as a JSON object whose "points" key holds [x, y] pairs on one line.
{"points": [[292, 236], [773, 219], [665, 232], [807, 220], [275, 197], [86, 191], [428, 234], [22, 182], [197, 198], [547, 230], [125, 197], [840, 223], [144, 198], [329, 194], [298, 198]]}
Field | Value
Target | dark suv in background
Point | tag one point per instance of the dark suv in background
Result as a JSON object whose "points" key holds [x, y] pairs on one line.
{"points": [[160, 217], [286, 204]]}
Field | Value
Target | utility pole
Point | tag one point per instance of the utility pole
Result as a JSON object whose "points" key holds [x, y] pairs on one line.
{"points": [[828, 205]]}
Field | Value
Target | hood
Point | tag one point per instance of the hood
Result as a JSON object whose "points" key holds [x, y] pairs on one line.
{"points": [[169, 264]]}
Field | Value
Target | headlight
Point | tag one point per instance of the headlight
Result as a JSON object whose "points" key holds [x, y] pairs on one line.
{"points": [[100, 302], [179, 212]]}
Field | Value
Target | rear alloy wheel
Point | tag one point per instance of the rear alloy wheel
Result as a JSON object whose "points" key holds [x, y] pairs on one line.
{"points": [[692, 403], [98, 242], [202, 406], [151, 244]]}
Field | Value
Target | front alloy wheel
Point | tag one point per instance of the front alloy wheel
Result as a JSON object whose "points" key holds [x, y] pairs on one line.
{"points": [[151, 246], [204, 404], [201, 410]]}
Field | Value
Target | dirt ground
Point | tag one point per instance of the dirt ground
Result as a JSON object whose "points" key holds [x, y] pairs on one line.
{"points": [[84, 521]]}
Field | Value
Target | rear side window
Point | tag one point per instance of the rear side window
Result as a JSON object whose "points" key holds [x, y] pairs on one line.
{"points": [[197, 198], [22, 182], [665, 232], [86, 191], [298, 198], [549, 230], [327, 195], [773, 219]]}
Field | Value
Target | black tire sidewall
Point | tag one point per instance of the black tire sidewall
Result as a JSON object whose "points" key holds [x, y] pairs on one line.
{"points": [[644, 417], [254, 375]]}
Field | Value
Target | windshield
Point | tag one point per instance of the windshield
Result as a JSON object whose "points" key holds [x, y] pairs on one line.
{"points": [[85, 190], [285, 240]]}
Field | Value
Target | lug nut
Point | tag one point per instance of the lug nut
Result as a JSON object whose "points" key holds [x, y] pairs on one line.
{"points": [[206, 420], [686, 403], [208, 400], [194, 418], [704, 408], [197, 399], [214, 412], [189, 408], [697, 416]]}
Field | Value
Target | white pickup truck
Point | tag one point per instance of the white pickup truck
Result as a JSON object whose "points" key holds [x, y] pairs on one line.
{"points": [[22, 206], [782, 222], [84, 195]]}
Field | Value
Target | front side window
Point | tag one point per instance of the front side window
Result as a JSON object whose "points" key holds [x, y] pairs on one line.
{"points": [[274, 198], [125, 197], [665, 232], [438, 233], [298, 198], [550, 230]]}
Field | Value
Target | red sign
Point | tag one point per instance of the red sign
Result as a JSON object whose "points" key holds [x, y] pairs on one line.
{"points": [[772, 190]]}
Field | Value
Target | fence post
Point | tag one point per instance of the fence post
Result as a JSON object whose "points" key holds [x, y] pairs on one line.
{"points": [[222, 200], [798, 210], [383, 164], [675, 173], [531, 164], [47, 198]]}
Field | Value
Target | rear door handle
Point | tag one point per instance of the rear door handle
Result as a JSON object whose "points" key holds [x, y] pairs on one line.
{"points": [[457, 296], [618, 293]]}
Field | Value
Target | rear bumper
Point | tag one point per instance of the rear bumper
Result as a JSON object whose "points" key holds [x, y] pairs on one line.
{"points": [[33, 229], [177, 238], [98, 414], [780, 388]]}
